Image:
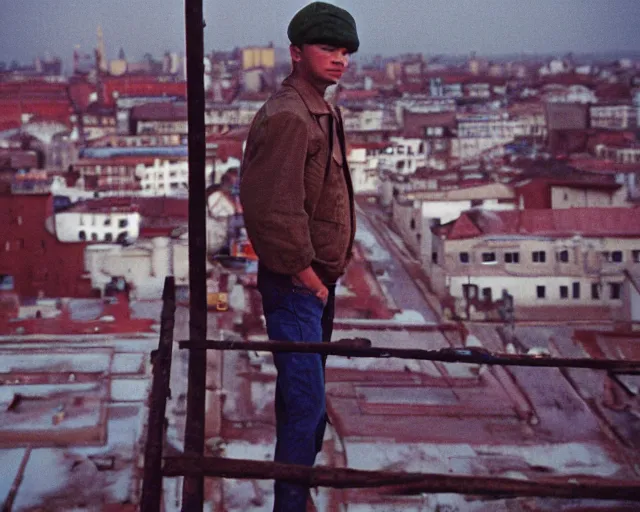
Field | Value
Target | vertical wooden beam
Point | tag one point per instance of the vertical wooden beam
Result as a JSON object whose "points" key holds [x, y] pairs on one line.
{"points": [[193, 487], [152, 476]]}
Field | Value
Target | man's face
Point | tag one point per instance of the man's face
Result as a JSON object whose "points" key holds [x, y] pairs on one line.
{"points": [[322, 64]]}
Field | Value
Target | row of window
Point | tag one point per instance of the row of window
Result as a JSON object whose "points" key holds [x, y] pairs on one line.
{"points": [[614, 289], [97, 169], [562, 256], [122, 223], [20, 243], [108, 237], [180, 185], [153, 175]]}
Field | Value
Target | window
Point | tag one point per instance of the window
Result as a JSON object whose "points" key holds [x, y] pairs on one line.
{"points": [[108, 237], [575, 290], [412, 224], [564, 292], [464, 257], [488, 257], [512, 257], [615, 290], [539, 256], [94, 237], [595, 291], [82, 235], [123, 223], [635, 255], [6, 282], [541, 292], [486, 294], [562, 256], [107, 221], [469, 291], [612, 256]]}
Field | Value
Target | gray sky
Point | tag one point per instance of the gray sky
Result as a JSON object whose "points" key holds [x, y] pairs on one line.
{"points": [[33, 27]]}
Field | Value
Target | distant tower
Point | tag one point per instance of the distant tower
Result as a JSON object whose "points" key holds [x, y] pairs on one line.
{"points": [[100, 52], [76, 59]]}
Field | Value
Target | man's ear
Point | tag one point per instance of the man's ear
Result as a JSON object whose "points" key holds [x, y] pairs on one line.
{"points": [[296, 53]]}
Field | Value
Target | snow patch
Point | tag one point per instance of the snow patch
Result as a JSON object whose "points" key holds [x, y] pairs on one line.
{"points": [[409, 316]]}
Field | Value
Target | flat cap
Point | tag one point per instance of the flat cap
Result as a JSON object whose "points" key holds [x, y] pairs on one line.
{"points": [[320, 22]]}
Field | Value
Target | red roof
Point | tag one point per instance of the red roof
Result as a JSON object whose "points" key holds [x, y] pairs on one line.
{"points": [[80, 93], [42, 108], [464, 227], [537, 192], [588, 222], [601, 166], [128, 160], [358, 94], [141, 86]]}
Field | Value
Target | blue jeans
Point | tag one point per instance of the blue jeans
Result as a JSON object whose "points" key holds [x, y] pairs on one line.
{"points": [[294, 313]]}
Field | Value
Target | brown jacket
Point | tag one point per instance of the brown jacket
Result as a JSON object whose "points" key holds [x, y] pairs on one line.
{"points": [[296, 216]]}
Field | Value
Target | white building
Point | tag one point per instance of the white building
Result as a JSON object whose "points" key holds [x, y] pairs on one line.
{"points": [[403, 155], [571, 258], [479, 133], [363, 164], [108, 225], [613, 117], [416, 212], [171, 177], [144, 264], [575, 93]]}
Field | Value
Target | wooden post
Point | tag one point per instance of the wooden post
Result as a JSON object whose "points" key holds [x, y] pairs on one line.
{"points": [[152, 476]]}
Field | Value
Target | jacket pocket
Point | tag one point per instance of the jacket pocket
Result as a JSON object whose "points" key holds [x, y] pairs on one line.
{"points": [[328, 240]]}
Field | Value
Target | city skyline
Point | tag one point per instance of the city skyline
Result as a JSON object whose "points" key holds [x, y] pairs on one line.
{"points": [[454, 28]]}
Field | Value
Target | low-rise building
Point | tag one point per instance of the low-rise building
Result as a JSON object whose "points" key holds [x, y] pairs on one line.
{"points": [[363, 162], [30, 252], [572, 258], [107, 220], [616, 116], [540, 193], [403, 155], [416, 212]]}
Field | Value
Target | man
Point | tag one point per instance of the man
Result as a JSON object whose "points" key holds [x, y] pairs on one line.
{"points": [[299, 214]]}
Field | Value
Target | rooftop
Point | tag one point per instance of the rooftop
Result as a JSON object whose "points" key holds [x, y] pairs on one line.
{"points": [[586, 222]]}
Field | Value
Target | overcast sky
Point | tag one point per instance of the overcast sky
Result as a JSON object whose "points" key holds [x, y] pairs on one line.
{"points": [[33, 27]]}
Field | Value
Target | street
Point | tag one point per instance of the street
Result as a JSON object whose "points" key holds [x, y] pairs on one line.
{"points": [[390, 258]]}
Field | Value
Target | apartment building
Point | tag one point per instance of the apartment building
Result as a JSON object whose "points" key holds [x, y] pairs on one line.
{"points": [[569, 258], [415, 212], [403, 155]]}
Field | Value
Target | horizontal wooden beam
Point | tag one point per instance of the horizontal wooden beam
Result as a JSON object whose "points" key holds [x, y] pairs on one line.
{"points": [[570, 487], [360, 347]]}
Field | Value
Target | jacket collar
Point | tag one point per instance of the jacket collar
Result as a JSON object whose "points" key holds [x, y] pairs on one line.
{"points": [[310, 96]]}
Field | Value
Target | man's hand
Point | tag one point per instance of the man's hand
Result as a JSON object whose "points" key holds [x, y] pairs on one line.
{"points": [[310, 280]]}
